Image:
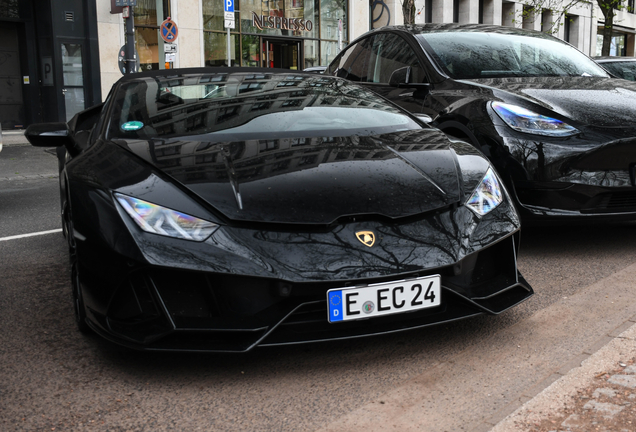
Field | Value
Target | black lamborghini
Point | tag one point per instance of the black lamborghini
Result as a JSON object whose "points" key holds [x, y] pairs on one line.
{"points": [[224, 209]]}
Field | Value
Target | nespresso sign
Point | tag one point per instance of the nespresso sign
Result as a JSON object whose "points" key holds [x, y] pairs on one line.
{"points": [[275, 22]]}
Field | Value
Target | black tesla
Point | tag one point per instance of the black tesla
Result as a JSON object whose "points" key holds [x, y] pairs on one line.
{"points": [[558, 129], [224, 209]]}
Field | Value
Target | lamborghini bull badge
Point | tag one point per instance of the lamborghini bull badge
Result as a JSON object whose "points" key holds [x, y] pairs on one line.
{"points": [[367, 238]]}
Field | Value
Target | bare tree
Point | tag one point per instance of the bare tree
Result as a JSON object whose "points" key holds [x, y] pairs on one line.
{"points": [[408, 10], [608, 8]]}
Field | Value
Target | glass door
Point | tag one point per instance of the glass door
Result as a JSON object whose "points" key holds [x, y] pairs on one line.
{"points": [[73, 73], [284, 54]]}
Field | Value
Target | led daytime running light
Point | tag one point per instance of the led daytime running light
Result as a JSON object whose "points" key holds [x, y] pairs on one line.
{"points": [[163, 221], [524, 120]]}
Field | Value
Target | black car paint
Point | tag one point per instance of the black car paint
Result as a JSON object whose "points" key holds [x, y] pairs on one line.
{"points": [[262, 280], [589, 176]]}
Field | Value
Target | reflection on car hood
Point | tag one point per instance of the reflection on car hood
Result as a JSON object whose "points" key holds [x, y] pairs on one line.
{"points": [[598, 101], [312, 180]]}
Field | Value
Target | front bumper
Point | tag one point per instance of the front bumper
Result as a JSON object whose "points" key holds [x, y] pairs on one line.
{"points": [[168, 309], [591, 177]]}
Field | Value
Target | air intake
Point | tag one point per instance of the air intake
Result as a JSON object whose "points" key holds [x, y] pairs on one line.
{"points": [[70, 16]]}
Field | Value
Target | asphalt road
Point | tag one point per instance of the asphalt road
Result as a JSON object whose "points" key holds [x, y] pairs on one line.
{"points": [[451, 377]]}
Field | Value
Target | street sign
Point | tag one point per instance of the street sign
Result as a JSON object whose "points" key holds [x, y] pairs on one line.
{"points": [[125, 2], [169, 30], [169, 48], [230, 24], [229, 16], [229, 5]]}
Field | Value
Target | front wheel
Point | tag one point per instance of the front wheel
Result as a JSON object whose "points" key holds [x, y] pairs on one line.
{"points": [[76, 286], [78, 300]]}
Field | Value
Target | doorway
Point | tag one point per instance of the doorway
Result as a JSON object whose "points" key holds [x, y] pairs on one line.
{"points": [[11, 100], [283, 54]]}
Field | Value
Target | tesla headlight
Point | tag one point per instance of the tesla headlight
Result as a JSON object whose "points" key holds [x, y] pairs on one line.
{"points": [[487, 195], [163, 221], [523, 120]]}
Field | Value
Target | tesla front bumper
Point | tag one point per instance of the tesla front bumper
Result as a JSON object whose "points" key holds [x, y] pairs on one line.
{"points": [[589, 178]]}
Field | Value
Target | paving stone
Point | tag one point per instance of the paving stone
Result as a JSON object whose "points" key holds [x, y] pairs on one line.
{"points": [[624, 380], [573, 422], [607, 409], [605, 392], [630, 370]]}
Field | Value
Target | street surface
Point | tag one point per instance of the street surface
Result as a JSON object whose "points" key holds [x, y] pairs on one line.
{"points": [[464, 376]]}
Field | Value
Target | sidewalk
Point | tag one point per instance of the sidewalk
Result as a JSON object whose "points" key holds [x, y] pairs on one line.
{"points": [[598, 395], [14, 137]]}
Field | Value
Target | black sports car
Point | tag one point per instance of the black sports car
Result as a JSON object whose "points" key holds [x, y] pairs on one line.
{"points": [[222, 209], [558, 129]]}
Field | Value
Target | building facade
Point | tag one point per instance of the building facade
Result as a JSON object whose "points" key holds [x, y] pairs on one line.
{"points": [[58, 57], [48, 64], [297, 34]]}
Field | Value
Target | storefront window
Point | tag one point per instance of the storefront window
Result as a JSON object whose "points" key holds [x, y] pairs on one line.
{"points": [[213, 15], [330, 12], [216, 48], [311, 53], [617, 46], [328, 50], [149, 14], [147, 43], [279, 23], [251, 53]]}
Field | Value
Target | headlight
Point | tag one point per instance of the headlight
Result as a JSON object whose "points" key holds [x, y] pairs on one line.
{"points": [[163, 221], [523, 120], [487, 195]]}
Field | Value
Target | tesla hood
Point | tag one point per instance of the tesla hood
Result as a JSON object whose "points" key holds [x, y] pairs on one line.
{"points": [[595, 101], [313, 180]]}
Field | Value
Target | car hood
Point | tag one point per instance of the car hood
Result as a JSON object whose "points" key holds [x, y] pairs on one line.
{"points": [[312, 180], [595, 101]]}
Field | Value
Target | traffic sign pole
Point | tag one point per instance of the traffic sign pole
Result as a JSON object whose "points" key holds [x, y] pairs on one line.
{"points": [[229, 9], [229, 57], [130, 43]]}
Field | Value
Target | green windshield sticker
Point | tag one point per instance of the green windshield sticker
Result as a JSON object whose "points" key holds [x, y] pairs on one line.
{"points": [[132, 126]]}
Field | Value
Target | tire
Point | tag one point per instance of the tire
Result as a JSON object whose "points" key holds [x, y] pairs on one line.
{"points": [[79, 308]]}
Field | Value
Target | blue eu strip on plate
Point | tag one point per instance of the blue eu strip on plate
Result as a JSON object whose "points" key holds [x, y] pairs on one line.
{"points": [[335, 306]]}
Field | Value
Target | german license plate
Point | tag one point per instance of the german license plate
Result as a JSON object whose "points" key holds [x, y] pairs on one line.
{"points": [[384, 298]]}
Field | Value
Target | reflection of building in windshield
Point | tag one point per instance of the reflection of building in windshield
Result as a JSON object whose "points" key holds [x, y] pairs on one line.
{"points": [[228, 101]]}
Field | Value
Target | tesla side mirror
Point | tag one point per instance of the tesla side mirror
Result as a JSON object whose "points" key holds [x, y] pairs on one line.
{"points": [[51, 135], [400, 76]]}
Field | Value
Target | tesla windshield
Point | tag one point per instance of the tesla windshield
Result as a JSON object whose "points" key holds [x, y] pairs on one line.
{"points": [[471, 55]]}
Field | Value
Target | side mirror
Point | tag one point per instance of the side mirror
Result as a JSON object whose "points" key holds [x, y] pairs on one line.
{"points": [[400, 76], [51, 135], [47, 134]]}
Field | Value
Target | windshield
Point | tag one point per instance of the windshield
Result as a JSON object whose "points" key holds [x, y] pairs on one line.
{"points": [[471, 55], [622, 69], [242, 106]]}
